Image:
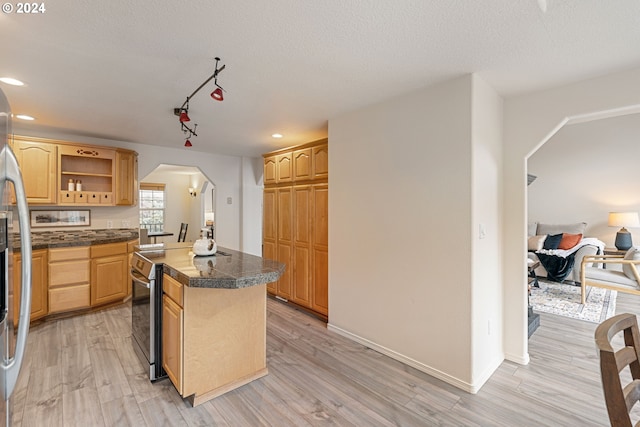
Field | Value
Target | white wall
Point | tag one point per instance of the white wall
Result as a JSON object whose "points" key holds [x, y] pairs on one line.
{"points": [[530, 120], [252, 187], [584, 172], [486, 232], [400, 267]]}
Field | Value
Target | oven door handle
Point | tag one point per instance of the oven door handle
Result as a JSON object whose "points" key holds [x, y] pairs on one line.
{"points": [[144, 283]]}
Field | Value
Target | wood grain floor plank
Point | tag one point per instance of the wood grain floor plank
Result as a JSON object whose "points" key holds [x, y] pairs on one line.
{"points": [[316, 377]]}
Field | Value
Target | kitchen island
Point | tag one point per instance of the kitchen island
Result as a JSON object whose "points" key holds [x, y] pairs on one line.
{"points": [[213, 318]]}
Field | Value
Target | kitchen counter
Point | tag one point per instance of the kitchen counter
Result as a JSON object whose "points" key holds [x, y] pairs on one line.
{"points": [[227, 269], [67, 238], [213, 317]]}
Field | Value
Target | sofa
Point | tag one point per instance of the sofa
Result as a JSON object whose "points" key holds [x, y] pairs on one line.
{"points": [[560, 242]]}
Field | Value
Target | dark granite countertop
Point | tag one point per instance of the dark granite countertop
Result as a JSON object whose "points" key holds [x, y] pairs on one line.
{"points": [[65, 238], [226, 269]]}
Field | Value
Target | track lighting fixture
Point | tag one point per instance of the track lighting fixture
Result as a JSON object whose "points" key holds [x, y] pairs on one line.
{"points": [[183, 111]]}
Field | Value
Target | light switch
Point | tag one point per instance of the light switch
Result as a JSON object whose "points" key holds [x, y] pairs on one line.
{"points": [[229, 200], [482, 231]]}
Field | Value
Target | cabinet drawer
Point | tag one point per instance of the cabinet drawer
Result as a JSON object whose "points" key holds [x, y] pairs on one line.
{"points": [[93, 198], [67, 197], [66, 254], [68, 272], [172, 288], [81, 197], [68, 298], [106, 198], [108, 249]]}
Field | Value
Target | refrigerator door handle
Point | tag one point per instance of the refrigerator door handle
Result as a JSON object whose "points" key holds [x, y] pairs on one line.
{"points": [[11, 368]]}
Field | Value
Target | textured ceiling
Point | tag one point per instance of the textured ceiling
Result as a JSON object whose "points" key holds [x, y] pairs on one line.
{"points": [[116, 69]]}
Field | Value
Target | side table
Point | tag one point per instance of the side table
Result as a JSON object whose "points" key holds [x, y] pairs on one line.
{"points": [[613, 251]]}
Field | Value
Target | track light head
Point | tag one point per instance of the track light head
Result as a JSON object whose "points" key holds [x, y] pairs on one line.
{"points": [[217, 94]]}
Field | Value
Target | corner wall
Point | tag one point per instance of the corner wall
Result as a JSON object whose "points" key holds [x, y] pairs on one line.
{"points": [[400, 271]]}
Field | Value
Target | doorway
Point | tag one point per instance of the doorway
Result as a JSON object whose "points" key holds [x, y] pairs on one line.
{"points": [[189, 197]]}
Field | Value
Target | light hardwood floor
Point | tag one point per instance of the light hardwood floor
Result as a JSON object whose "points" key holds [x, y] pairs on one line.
{"points": [[82, 371]]}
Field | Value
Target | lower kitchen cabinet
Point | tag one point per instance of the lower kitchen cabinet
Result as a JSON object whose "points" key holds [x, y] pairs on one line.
{"points": [[109, 273], [69, 274], [172, 341], [213, 340], [39, 300]]}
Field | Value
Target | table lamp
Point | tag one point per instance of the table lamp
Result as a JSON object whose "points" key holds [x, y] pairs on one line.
{"points": [[623, 219]]}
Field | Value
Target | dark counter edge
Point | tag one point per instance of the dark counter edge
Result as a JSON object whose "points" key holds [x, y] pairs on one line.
{"points": [[96, 237]]}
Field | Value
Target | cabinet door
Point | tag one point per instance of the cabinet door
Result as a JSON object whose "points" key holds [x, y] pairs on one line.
{"points": [[302, 245], [38, 166], [39, 292], [320, 161], [109, 279], [285, 239], [302, 164], [172, 341], [320, 244], [284, 167], [270, 176], [126, 178], [269, 230]]}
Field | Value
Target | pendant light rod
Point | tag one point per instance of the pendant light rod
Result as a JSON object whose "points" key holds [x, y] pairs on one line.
{"points": [[213, 76]]}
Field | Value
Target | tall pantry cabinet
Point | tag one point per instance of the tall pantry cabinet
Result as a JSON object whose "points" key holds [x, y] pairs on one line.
{"points": [[295, 224]]}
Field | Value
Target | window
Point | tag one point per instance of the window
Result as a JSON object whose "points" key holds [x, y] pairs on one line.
{"points": [[152, 207]]}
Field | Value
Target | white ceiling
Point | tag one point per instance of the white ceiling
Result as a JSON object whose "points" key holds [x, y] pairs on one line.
{"points": [[116, 69]]}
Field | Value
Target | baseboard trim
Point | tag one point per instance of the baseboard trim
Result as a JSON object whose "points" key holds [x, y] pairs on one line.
{"points": [[456, 382], [520, 360]]}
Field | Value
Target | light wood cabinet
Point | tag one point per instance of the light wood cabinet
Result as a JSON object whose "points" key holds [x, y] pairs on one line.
{"points": [[302, 164], [172, 339], [270, 175], [213, 340], [284, 248], [284, 167], [320, 248], [109, 176], [126, 178], [69, 275], [295, 225], [269, 230], [39, 281], [93, 167], [320, 163], [109, 273], [37, 162]]}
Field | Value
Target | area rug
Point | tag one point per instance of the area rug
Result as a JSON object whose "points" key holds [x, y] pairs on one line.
{"points": [[564, 300]]}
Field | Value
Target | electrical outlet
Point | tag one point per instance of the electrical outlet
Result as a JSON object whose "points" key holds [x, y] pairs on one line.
{"points": [[125, 224], [109, 223]]}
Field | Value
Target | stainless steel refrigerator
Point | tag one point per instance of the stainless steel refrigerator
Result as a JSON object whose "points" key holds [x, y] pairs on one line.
{"points": [[12, 342]]}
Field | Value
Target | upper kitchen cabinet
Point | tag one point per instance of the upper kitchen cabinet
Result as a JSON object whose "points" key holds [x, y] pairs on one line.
{"points": [[307, 162], [86, 174], [37, 160], [66, 173], [126, 178]]}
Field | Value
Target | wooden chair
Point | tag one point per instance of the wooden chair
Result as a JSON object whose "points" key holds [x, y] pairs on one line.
{"points": [[182, 235], [627, 280], [618, 397]]}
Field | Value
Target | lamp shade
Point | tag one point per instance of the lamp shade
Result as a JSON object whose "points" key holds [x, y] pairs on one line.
{"points": [[624, 219], [217, 94], [184, 117]]}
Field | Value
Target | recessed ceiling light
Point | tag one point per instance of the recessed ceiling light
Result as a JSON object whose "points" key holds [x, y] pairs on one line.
{"points": [[276, 135], [11, 81], [24, 117]]}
